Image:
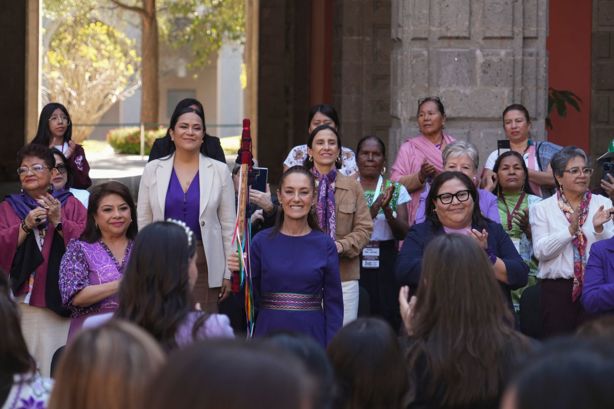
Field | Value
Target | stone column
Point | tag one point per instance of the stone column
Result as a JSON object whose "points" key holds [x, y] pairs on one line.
{"points": [[602, 114], [361, 67], [477, 55], [16, 27]]}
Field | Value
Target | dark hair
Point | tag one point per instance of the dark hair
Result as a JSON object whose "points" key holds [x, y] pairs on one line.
{"points": [[373, 138], [559, 161], [339, 162], [311, 217], [517, 107], [183, 107], [477, 219], [314, 359], [43, 135], [41, 152], [69, 175], [155, 291], [14, 353], [91, 233], [567, 373], [369, 365], [230, 374], [526, 186], [436, 101], [326, 110], [462, 327], [601, 327]]}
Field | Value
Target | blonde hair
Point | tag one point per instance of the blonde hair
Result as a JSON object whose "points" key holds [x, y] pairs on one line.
{"points": [[108, 367]]}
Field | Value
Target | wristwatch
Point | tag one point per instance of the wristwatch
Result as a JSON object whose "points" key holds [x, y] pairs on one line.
{"points": [[58, 227]]}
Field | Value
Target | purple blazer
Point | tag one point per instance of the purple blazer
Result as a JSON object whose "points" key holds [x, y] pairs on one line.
{"points": [[598, 289]]}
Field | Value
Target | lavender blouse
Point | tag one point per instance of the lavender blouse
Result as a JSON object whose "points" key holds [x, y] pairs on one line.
{"points": [[86, 264], [184, 206]]}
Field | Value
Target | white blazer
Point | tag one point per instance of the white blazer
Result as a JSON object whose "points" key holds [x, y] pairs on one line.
{"points": [[217, 208]]}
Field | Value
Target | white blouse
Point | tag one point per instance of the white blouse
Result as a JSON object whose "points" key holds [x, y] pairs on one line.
{"points": [[551, 238]]}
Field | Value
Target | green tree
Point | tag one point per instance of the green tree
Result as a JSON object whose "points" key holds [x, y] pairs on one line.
{"points": [[200, 25], [88, 67]]}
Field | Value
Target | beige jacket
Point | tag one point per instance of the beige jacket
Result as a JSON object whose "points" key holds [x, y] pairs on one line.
{"points": [[354, 225], [217, 208]]}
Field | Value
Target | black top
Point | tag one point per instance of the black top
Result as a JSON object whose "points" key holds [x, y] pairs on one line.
{"points": [[409, 261], [211, 147]]}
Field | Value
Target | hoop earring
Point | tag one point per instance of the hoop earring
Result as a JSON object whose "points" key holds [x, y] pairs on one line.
{"points": [[310, 158], [383, 172]]}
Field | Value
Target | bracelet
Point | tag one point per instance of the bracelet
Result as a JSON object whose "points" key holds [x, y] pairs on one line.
{"points": [[25, 227]]}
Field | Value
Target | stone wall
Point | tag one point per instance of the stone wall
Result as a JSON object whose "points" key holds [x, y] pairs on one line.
{"points": [[361, 67], [477, 55], [602, 115]]}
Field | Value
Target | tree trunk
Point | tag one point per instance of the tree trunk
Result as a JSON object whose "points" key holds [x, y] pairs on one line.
{"points": [[149, 65]]}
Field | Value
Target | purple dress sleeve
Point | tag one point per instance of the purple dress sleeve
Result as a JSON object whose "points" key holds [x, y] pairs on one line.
{"points": [[488, 205], [333, 297], [214, 326], [598, 288], [74, 275]]}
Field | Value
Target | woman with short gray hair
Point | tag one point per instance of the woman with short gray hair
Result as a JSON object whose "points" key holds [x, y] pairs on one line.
{"points": [[463, 156], [564, 228]]}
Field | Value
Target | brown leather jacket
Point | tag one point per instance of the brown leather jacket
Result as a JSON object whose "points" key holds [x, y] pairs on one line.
{"points": [[354, 225]]}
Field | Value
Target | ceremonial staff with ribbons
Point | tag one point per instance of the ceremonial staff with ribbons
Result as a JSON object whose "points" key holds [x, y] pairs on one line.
{"points": [[242, 280]]}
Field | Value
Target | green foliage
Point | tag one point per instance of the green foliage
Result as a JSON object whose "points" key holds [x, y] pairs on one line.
{"points": [[88, 66], [128, 140], [202, 25], [559, 100]]}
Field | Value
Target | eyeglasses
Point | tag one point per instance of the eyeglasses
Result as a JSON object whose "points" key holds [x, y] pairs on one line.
{"points": [[58, 119], [61, 168], [447, 198], [576, 171], [37, 168]]}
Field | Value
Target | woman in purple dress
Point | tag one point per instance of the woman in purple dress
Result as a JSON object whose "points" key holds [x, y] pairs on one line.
{"points": [[93, 265], [295, 267]]}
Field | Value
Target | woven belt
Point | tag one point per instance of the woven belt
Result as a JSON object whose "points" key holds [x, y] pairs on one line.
{"points": [[291, 302]]}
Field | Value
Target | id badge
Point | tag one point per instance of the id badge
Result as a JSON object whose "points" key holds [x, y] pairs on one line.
{"points": [[370, 255]]}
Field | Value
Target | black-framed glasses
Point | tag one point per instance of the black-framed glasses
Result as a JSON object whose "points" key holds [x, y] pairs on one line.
{"points": [[61, 168], [447, 198], [36, 168], [575, 171]]}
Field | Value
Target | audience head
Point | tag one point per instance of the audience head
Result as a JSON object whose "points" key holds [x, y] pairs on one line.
{"points": [[565, 374], [571, 169], [297, 186], [324, 148], [322, 114], [453, 201], [371, 157], [462, 156], [61, 177], [516, 123], [14, 353], [107, 367], [313, 358], [512, 173], [369, 366], [111, 212], [36, 164], [156, 289], [431, 116], [461, 324], [231, 375], [54, 122]]}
